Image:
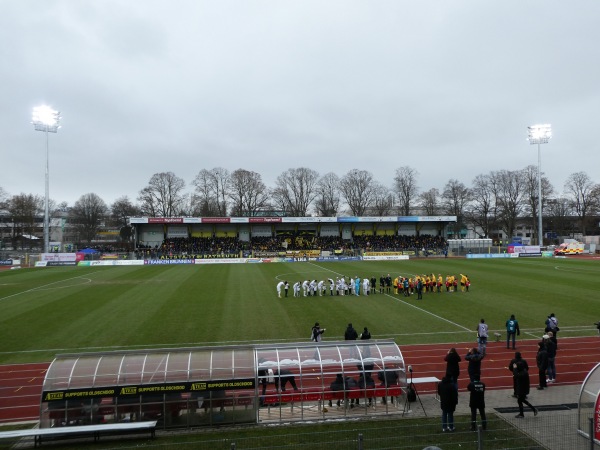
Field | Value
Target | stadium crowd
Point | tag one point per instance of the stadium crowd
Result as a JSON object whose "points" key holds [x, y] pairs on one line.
{"points": [[232, 247]]}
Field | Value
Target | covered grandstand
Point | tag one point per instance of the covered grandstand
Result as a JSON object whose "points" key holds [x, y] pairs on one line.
{"points": [[235, 237]]}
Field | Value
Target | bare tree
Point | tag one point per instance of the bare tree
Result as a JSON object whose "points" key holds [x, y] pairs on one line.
{"points": [[383, 200], [455, 197], [87, 215], [358, 189], [405, 183], [163, 197], [3, 198], [295, 190], [122, 209], [212, 191], [327, 201], [23, 209], [430, 202], [480, 213], [583, 194], [248, 193], [509, 192], [559, 212]]}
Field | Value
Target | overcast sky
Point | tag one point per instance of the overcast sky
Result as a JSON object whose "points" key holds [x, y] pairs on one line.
{"points": [[447, 87]]}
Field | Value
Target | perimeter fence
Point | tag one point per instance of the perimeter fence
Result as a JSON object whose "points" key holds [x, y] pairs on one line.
{"points": [[557, 431]]}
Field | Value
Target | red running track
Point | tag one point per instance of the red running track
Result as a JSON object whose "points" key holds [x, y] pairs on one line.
{"points": [[21, 384], [574, 360]]}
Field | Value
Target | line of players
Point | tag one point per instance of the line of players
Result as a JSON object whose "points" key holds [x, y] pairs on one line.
{"points": [[356, 286]]}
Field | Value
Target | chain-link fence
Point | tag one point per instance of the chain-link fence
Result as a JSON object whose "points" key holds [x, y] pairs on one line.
{"points": [[557, 431]]}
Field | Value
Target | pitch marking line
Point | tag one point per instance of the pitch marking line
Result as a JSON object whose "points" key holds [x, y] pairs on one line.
{"points": [[50, 286]]}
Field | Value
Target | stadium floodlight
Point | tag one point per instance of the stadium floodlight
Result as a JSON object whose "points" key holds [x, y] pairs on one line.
{"points": [[540, 134], [47, 120]]}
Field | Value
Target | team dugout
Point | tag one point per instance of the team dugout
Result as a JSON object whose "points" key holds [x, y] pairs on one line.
{"points": [[236, 237], [209, 386]]}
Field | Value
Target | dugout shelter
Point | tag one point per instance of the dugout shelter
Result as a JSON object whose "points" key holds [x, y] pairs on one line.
{"points": [[589, 406], [209, 386]]}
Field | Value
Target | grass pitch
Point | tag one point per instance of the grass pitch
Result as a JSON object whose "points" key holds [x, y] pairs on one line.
{"points": [[46, 311]]}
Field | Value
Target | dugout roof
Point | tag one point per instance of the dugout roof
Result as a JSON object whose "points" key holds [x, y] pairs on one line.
{"points": [[148, 371], [175, 370]]}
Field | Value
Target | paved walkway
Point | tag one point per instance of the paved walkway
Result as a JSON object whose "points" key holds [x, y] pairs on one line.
{"points": [[555, 427]]}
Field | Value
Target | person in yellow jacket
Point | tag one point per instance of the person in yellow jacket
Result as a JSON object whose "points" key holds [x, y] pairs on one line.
{"points": [[440, 281], [395, 283]]}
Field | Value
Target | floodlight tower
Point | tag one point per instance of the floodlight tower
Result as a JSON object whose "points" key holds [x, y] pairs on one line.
{"points": [[47, 120], [539, 134]]}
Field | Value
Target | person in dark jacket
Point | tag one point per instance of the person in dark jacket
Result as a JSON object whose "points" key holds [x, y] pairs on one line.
{"points": [[452, 359], [474, 358], [541, 359], [337, 385], [350, 334], [448, 401], [365, 349], [366, 381], [511, 367], [388, 377], [522, 376], [551, 348], [477, 403]]}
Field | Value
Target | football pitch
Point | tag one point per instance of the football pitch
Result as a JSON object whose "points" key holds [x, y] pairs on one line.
{"points": [[46, 311]]}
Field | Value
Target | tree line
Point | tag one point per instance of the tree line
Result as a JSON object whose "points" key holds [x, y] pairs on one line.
{"points": [[498, 200]]}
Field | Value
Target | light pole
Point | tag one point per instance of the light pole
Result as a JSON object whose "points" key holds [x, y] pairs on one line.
{"points": [[539, 134], [46, 119]]}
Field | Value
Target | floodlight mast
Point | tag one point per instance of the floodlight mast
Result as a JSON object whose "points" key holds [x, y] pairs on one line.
{"points": [[47, 120], [540, 134]]}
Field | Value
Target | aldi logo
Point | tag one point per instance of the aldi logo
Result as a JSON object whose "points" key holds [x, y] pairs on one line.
{"points": [[128, 390]]}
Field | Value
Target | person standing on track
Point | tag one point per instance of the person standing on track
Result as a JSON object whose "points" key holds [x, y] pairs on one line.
{"points": [[482, 336], [512, 330], [511, 367], [316, 333], [474, 368], [453, 359], [351, 334], [551, 350], [541, 360]]}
